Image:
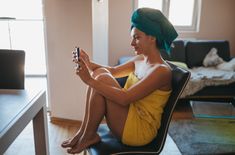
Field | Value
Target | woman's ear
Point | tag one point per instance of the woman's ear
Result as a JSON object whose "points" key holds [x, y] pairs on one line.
{"points": [[153, 39]]}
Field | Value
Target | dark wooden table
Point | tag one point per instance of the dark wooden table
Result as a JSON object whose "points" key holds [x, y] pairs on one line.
{"points": [[17, 109]]}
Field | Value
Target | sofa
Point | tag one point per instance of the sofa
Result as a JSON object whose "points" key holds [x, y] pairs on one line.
{"points": [[192, 53]]}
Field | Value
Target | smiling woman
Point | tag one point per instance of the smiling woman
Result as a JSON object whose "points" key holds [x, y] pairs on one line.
{"points": [[21, 27]]}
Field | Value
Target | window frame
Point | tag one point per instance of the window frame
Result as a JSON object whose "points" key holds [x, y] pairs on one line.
{"points": [[26, 19], [195, 19]]}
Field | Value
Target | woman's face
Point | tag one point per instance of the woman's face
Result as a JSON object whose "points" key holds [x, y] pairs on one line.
{"points": [[140, 41]]}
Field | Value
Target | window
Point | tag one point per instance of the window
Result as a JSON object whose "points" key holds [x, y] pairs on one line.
{"points": [[22, 27], [183, 14]]}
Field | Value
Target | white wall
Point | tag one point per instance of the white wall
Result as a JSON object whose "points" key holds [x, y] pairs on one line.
{"points": [[68, 24], [100, 31], [120, 12]]}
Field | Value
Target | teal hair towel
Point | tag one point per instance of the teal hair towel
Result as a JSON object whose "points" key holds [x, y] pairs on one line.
{"points": [[153, 22]]}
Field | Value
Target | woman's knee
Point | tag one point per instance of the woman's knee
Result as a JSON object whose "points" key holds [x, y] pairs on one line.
{"points": [[99, 71], [107, 78]]}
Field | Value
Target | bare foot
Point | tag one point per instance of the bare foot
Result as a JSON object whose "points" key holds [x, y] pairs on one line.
{"points": [[72, 141], [84, 143], [69, 143]]}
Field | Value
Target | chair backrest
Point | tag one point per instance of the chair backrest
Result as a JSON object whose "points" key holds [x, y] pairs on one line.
{"points": [[179, 80], [12, 64]]}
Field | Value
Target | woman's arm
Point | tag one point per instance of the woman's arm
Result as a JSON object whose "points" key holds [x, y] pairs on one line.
{"points": [[117, 71], [93, 66], [90, 64], [158, 78]]}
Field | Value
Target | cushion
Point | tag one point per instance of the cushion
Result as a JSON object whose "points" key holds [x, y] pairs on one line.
{"points": [[228, 66], [212, 58]]}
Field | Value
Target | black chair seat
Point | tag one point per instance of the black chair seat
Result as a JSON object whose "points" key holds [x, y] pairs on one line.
{"points": [[110, 145]]}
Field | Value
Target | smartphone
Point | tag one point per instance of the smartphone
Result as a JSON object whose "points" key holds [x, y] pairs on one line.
{"points": [[78, 54]]}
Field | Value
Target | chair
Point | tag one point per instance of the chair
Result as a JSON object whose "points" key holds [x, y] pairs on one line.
{"points": [[12, 69], [110, 145]]}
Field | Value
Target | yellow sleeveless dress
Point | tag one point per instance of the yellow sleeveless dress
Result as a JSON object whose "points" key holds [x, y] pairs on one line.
{"points": [[144, 116]]}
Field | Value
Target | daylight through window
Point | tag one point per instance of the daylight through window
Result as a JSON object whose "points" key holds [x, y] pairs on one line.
{"points": [[21, 27]]}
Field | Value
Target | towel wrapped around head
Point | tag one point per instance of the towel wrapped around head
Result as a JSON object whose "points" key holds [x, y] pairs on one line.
{"points": [[154, 23]]}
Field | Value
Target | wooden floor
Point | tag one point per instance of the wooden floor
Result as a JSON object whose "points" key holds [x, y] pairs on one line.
{"points": [[24, 144]]}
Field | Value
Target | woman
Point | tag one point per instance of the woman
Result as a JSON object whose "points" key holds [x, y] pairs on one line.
{"points": [[132, 113]]}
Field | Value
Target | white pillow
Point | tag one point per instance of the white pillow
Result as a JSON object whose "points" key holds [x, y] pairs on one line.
{"points": [[212, 58], [228, 66]]}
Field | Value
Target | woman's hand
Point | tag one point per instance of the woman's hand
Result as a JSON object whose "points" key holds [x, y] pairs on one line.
{"points": [[83, 55], [83, 71], [86, 59]]}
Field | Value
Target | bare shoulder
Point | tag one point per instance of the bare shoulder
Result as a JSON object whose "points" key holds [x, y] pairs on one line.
{"points": [[163, 68], [163, 73]]}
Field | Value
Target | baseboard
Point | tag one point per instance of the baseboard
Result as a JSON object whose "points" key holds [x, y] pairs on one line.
{"points": [[57, 120]]}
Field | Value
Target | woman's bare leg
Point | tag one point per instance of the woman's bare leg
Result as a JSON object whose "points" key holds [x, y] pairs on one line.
{"points": [[100, 107], [97, 110], [72, 141]]}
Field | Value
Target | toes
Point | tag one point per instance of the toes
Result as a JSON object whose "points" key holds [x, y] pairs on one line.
{"points": [[65, 143], [72, 151], [68, 143]]}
